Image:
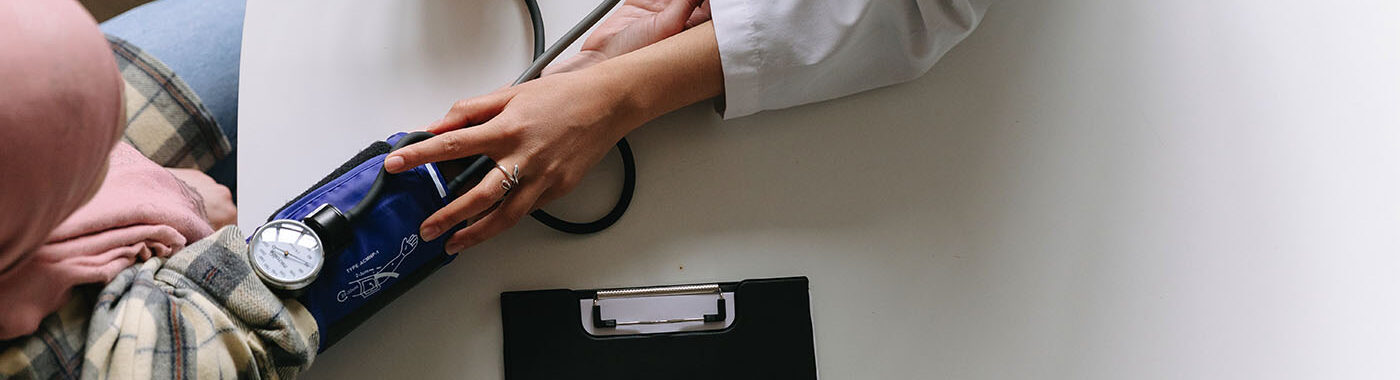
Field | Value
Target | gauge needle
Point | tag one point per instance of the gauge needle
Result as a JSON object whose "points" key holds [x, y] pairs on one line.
{"points": [[298, 259]]}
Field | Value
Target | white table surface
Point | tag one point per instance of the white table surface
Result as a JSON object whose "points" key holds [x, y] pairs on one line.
{"points": [[1083, 189]]}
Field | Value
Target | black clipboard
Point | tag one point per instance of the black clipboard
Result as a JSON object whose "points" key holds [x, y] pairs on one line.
{"points": [[770, 336]]}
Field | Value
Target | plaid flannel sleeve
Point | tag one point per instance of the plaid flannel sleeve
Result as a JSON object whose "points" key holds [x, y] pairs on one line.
{"points": [[166, 121], [201, 313]]}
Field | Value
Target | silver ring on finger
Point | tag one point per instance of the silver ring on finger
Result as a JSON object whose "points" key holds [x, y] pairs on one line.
{"points": [[512, 179]]}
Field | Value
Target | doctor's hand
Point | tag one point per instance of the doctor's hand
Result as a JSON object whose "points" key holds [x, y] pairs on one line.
{"points": [[553, 129], [635, 24]]}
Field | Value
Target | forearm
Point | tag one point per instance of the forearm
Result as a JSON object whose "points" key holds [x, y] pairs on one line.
{"points": [[665, 76]]}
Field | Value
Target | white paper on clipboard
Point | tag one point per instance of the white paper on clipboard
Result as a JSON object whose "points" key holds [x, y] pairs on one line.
{"points": [[656, 308]]}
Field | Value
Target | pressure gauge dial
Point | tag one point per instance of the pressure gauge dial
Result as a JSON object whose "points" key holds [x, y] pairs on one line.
{"points": [[286, 254]]}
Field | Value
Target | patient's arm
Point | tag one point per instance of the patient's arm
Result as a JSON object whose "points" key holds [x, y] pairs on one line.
{"points": [[202, 313]]}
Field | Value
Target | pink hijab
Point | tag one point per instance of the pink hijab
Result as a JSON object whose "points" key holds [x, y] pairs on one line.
{"points": [[76, 210]]}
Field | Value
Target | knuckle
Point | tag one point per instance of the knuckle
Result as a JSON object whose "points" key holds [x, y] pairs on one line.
{"points": [[465, 236], [461, 104], [513, 131], [447, 219], [452, 142], [459, 240], [446, 215], [477, 198], [568, 181]]}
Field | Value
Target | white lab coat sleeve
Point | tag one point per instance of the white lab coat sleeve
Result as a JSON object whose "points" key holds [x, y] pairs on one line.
{"points": [[782, 53]]}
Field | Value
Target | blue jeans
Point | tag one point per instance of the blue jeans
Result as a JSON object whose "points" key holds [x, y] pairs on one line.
{"points": [[200, 40]]}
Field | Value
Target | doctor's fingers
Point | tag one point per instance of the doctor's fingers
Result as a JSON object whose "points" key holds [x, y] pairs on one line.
{"points": [[472, 111], [699, 16], [473, 204], [447, 146], [512, 209], [679, 11]]}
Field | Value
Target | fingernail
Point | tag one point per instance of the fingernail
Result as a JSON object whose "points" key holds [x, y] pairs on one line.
{"points": [[393, 163], [431, 232], [454, 248]]}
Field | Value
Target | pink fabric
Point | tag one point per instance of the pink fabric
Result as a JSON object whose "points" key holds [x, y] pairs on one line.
{"points": [[141, 211], [60, 114]]}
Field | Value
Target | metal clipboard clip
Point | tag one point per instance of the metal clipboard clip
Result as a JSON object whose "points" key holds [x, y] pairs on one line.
{"points": [[656, 291]]}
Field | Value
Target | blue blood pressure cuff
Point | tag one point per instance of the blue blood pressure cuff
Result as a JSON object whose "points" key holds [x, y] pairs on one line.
{"points": [[379, 255], [384, 255]]}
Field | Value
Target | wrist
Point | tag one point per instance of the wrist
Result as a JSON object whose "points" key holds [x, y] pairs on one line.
{"points": [[629, 102], [654, 80], [665, 76]]}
